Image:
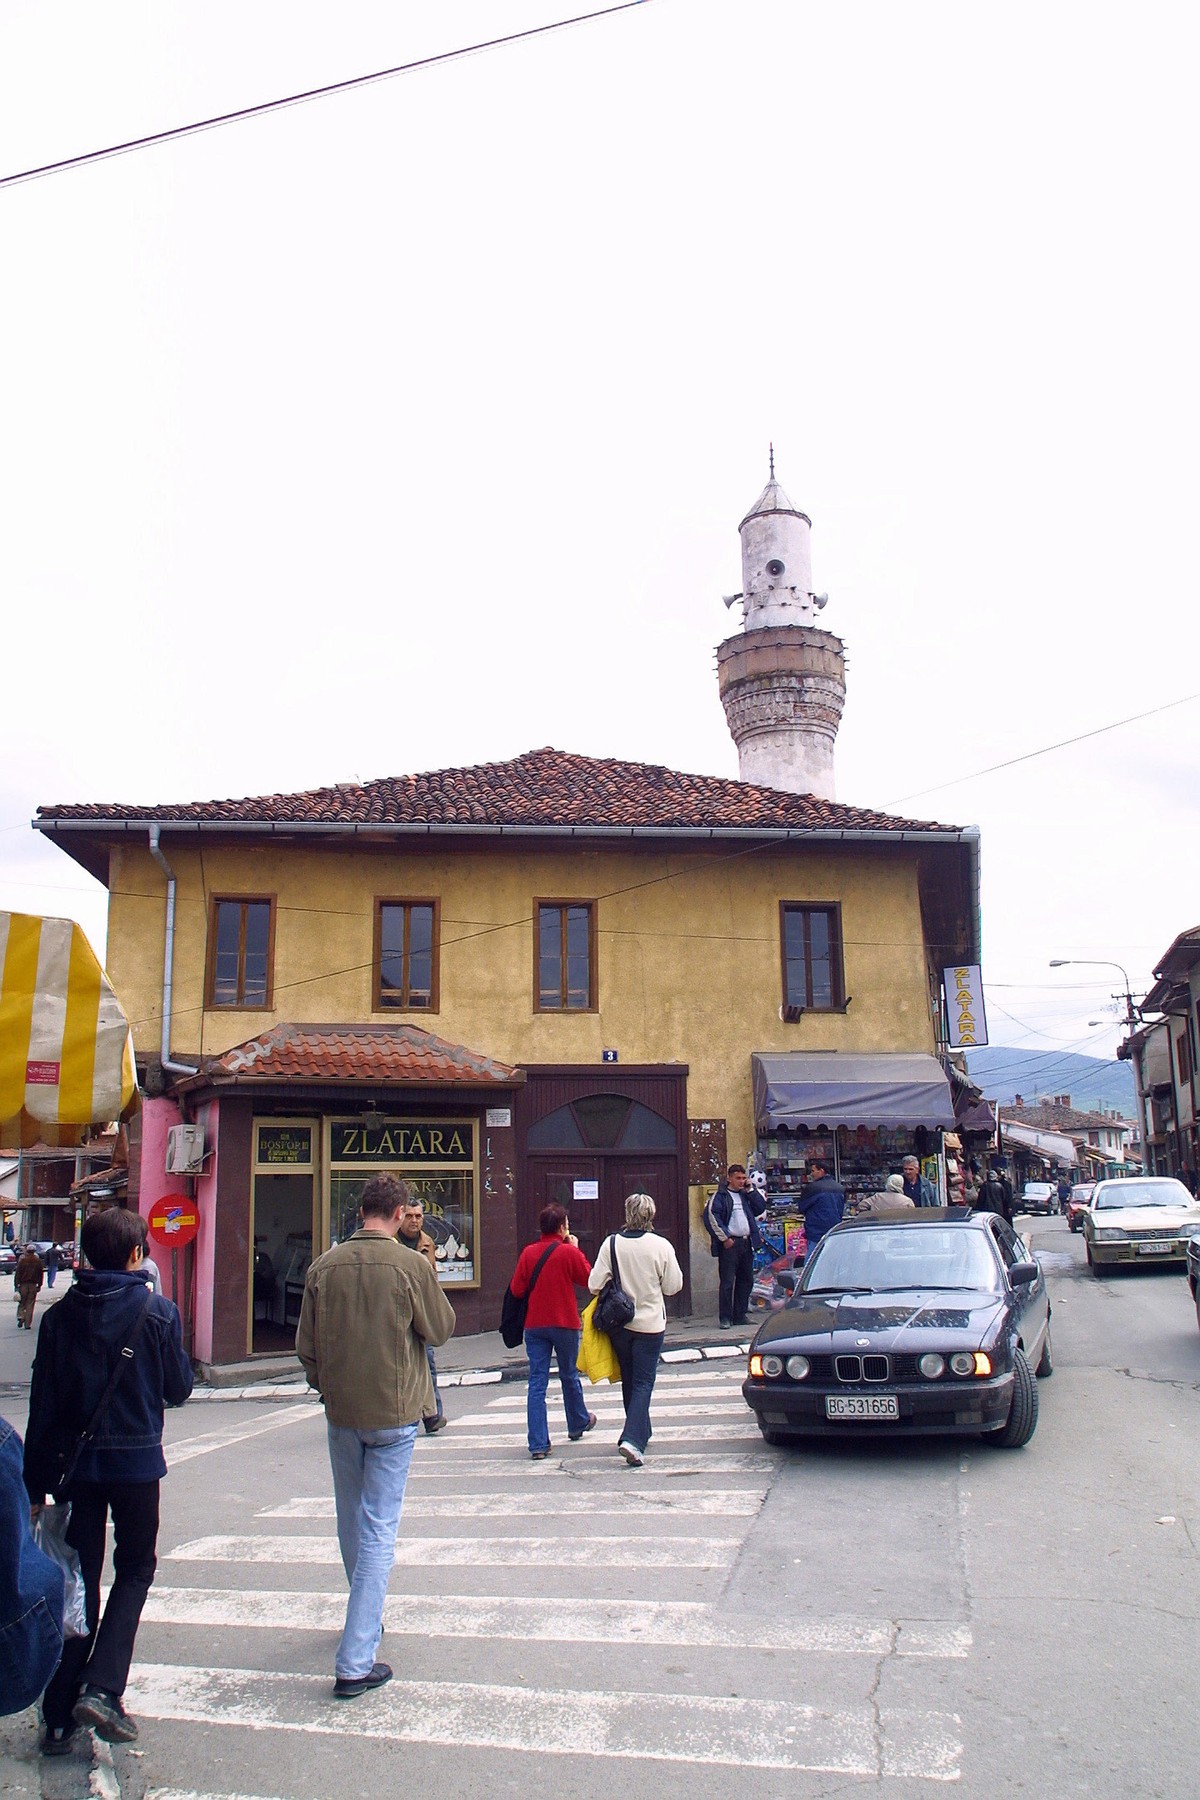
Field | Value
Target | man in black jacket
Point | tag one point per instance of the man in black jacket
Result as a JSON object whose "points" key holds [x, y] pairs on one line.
{"points": [[994, 1196], [731, 1220], [109, 1309]]}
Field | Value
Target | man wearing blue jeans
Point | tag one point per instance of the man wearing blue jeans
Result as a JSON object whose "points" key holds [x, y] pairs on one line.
{"points": [[371, 1309]]}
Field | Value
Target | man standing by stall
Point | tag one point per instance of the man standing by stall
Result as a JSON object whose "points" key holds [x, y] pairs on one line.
{"points": [[918, 1187], [731, 1220], [822, 1200]]}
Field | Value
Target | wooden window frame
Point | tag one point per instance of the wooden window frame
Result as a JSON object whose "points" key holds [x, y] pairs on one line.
{"points": [[561, 905], [267, 1003], [838, 1002], [378, 1003]]}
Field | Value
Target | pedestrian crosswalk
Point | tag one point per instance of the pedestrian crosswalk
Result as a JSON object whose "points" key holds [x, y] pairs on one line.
{"points": [[572, 1607]]}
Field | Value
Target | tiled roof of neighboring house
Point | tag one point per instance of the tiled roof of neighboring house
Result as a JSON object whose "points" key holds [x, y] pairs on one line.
{"points": [[1062, 1118], [116, 1177], [383, 1053], [539, 789]]}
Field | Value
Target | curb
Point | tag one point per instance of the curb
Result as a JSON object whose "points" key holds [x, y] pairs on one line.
{"points": [[280, 1392]]}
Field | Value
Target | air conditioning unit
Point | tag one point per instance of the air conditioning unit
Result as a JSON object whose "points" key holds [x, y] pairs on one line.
{"points": [[185, 1150]]}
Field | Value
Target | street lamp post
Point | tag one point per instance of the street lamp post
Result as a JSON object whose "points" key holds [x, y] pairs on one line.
{"points": [[1131, 1022]]}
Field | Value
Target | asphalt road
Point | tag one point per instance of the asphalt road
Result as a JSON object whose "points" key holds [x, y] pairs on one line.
{"points": [[890, 1619]]}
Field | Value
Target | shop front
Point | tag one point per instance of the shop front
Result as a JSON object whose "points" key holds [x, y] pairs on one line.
{"points": [[862, 1114], [287, 1144]]}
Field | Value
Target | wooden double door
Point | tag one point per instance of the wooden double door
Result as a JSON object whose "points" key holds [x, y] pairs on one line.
{"points": [[592, 1185]]}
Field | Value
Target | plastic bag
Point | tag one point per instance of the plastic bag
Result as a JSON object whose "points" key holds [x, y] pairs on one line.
{"points": [[597, 1359], [50, 1535]]}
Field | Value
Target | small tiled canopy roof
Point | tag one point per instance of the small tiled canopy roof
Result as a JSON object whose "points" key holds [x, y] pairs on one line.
{"points": [[393, 1054], [539, 789]]}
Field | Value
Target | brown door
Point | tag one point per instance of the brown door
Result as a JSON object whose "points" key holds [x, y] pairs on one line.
{"points": [[573, 1182], [658, 1177]]}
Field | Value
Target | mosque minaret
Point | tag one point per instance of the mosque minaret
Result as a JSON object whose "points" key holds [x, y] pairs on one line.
{"points": [[782, 679]]}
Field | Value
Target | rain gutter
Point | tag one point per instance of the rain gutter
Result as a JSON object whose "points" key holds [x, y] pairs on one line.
{"points": [[172, 1068]]}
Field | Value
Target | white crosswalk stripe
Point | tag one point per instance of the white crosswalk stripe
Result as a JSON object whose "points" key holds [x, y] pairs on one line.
{"points": [[619, 1548]]}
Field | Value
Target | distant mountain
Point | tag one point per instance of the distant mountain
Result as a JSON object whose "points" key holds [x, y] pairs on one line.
{"points": [[1092, 1083]]}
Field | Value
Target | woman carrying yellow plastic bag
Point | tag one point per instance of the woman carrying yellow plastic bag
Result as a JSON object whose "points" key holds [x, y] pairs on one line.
{"points": [[597, 1359]]}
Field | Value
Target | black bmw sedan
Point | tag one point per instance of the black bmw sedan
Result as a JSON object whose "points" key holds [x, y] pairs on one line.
{"points": [[932, 1320]]}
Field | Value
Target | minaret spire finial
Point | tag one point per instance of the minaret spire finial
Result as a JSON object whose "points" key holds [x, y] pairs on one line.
{"points": [[772, 452]]}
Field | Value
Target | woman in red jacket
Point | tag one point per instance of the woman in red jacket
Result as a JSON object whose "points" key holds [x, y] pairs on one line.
{"points": [[552, 1325]]}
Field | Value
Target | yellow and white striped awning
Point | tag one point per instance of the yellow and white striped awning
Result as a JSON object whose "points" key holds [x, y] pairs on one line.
{"points": [[66, 1056]]}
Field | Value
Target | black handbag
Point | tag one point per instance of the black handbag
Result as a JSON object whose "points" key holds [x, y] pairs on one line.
{"points": [[614, 1307], [69, 1446], [513, 1307]]}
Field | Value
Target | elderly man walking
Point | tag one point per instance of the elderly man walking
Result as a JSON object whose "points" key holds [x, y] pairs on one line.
{"points": [[370, 1308], [28, 1277]]}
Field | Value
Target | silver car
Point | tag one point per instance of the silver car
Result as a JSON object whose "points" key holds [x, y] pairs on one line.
{"points": [[1147, 1218]]}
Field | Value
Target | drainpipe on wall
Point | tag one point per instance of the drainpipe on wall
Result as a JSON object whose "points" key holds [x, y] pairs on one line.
{"points": [[172, 1068]]}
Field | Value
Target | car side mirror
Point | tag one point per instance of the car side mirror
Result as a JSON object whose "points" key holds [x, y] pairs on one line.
{"points": [[1024, 1274]]}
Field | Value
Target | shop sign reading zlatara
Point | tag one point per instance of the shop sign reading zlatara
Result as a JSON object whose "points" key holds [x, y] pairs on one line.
{"points": [[437, 1159]]}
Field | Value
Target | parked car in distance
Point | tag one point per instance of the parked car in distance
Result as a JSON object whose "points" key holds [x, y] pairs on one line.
{"points": [[1142, 1218], [1193, 1272], [931, 1322], [1080, 1200], [8, 1259], [1038, 1197]]}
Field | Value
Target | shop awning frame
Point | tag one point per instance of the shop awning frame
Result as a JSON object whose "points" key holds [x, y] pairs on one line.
{"points": [[901, 1090]]}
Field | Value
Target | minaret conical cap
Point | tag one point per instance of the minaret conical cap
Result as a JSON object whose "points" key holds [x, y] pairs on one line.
{"points": [[774, 500]]}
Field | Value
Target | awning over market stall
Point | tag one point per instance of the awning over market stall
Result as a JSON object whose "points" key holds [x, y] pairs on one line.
{"points": [[826, 1089], [66, 1059], [1050, 1144]]}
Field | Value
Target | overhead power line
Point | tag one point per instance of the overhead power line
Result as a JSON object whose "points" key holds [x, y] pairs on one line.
{"points": [[1045, 750], [317, 93]]}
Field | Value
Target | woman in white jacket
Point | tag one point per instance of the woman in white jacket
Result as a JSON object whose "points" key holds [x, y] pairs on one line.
{"points": [[648, 1271]]}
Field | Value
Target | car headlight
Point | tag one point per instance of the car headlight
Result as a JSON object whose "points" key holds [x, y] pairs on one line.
{"points": [[1190, 1231], [971, 1362], [798, 1367], [770, 1366], [1111, 1234], [931, 1365]]}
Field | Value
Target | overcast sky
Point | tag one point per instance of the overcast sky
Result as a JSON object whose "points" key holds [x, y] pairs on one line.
{"points": [[412, 427]]}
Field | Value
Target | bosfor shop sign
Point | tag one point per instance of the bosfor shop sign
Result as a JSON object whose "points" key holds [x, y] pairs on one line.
{"points": [[966, 1020]]}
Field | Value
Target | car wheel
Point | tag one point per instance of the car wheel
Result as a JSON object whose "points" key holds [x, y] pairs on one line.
{"points": [[1023, 1413], [1046, 1360]]}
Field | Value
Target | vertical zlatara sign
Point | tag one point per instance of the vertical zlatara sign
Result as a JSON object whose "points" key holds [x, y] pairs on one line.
{"points": [[965, 1016]]}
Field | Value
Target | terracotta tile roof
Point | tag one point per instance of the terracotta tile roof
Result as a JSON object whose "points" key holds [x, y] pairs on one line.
{"points": [[385, 1053], [541, 788], [1048, 1117]]}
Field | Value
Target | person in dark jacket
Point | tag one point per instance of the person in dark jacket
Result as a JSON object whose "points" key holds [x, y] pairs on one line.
{"points": [[822, 1200], [31, 1591], [731, 1221], [28, 1277], [993, 1198], [119, 1469]]}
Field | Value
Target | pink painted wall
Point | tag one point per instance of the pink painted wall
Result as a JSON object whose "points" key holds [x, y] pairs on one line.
{"points": [[157, 1118]]}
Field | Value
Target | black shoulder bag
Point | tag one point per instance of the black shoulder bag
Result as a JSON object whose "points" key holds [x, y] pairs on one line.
{"points": [[514, 1307], [614, 1307], [64, 1458]]}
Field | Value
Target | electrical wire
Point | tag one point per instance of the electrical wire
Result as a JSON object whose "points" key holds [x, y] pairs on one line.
{"points": [[1031, 755], [301, 99]]}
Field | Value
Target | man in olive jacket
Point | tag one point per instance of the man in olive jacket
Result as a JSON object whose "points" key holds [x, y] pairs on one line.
{"points": [[370, 1308]]}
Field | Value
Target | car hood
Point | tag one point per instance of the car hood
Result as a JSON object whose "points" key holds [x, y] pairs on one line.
{"points": [[1147, 1218], [893, 1322]]}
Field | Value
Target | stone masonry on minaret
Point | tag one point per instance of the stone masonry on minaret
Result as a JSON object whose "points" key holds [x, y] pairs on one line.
{"points": [[782, 679]]}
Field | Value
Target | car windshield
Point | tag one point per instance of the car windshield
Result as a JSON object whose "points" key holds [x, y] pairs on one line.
{"points": [[884, 1259], [1142, 1193]]}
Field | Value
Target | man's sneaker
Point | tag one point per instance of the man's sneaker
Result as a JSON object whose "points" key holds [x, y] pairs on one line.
{"points": [[435, 1425], [105, 1714], [632, 1456], [349, 1687], [574, 1436], [726, 1325], [60, 1740]]}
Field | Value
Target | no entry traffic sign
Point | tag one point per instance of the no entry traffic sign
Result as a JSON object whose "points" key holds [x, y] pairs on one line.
{"points": [[174, 1221]]}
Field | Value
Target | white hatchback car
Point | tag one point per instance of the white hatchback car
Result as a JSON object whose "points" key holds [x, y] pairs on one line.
{"points": [[1146, 1218]]}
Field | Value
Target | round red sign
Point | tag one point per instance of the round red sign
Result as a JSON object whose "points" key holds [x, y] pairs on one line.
{"points": [[174, 1221]]}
